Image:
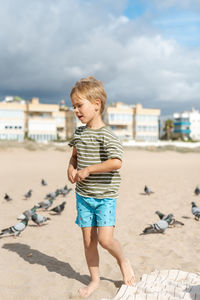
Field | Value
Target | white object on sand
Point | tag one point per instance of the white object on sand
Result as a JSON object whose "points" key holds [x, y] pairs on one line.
{"points": [[162, 285]]}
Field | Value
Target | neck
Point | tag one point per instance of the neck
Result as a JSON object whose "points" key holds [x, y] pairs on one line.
{"points": [[96, 123]]}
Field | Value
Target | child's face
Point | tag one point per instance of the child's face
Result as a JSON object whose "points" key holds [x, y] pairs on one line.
{"points": [[84, 109]]}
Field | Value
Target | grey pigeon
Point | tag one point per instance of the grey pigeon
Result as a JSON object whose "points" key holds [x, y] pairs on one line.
{"points": [[195, 211], [28, 213], [197, 191], [65, 191], [28, 194], [161, 215], [46, 203], [43, 182], [147, 190], [173, 221], [58, 209], [38, 219], [16, 229], [7, 197], [158, 227], [52, 195], [58, 191]]}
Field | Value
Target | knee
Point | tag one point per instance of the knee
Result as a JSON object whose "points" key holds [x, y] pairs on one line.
{"points": [[105, 243]]}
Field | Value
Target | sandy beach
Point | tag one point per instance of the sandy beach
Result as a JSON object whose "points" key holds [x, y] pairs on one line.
{"points": [[48, 262]]}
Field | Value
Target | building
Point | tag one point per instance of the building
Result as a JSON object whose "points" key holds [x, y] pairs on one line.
{"points": [[119, 117], [35, 120], [70, 124], [41, 122], [187, 124], [145, 123], [194, 117], [133, 122], [181, 125], [12, 119]]}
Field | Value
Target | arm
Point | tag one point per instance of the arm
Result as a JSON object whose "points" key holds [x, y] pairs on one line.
{"points": [[72, 168], [106, 166]]}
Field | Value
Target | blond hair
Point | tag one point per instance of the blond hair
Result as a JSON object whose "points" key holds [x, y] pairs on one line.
{"points": [[91, 89]]}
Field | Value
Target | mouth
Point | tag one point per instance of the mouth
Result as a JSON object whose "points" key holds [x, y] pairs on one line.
{"points": [[80, 117]]}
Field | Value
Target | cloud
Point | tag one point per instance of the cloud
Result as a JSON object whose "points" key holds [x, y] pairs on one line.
{"points": [[47, 45], [158, 70]]}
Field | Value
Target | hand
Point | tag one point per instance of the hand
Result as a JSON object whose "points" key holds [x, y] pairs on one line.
{"points": [[82, 174], [72, 175]]}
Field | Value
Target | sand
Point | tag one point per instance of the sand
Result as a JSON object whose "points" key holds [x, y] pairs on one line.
{"points": [[48, 262]]}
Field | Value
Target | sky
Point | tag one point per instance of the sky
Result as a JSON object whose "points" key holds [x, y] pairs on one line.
{"points": [[145, 51]]}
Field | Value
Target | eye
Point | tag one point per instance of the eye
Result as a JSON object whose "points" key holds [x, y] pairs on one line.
{"points": [[77, 106]]}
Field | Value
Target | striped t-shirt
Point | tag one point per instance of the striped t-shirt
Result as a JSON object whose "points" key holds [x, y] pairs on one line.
{"points": [[95, 146]]}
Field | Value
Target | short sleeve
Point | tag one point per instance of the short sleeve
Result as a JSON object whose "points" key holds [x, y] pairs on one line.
{"points": [[76, 136], [71, 142], [114, 148]]}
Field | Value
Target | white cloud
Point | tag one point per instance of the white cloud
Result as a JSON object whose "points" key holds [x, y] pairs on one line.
{"points": [[47, 45]]}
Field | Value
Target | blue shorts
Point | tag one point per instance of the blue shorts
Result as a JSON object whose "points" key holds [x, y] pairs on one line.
{"points": [[95, 212]]}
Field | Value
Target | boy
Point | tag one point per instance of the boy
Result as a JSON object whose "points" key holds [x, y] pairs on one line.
{"points": [[94, 164]]}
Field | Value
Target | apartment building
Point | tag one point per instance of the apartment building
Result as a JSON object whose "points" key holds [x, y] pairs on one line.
{"points": [[35, 120], [133, 122], [41, 124], [119, 117], [12, 120], [194, 117], [46, 122], [145, 123], [187, 124]]}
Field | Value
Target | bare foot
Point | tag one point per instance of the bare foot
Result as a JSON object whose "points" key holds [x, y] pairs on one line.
{"points": [[88, 290], [127, 272]]}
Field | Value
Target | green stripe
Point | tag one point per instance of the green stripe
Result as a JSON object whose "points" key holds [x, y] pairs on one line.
{"points": [[94, 147]]}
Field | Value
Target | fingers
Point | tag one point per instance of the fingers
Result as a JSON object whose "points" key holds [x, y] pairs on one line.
{"points": [[78, 177], [72, 174], [71, 179]]}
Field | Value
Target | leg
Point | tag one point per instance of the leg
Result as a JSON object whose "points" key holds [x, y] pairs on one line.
{"points": [[92, 257], [107, 241]]}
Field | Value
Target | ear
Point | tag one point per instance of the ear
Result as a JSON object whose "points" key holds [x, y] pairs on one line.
{"points": [[97, 104]]}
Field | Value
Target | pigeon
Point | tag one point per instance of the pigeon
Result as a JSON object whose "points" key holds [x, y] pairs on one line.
{"points": [[43, 182], [58, 191], [58, 209], [66, 188], [161, 215], [173, 221], [52, 195], [195, 211], [28, 213], [46, 203], [158, 227], [147, 190], [38, 219], [16, 229], [197, 191], [7, 197], [65, 191], [28, 194]]}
